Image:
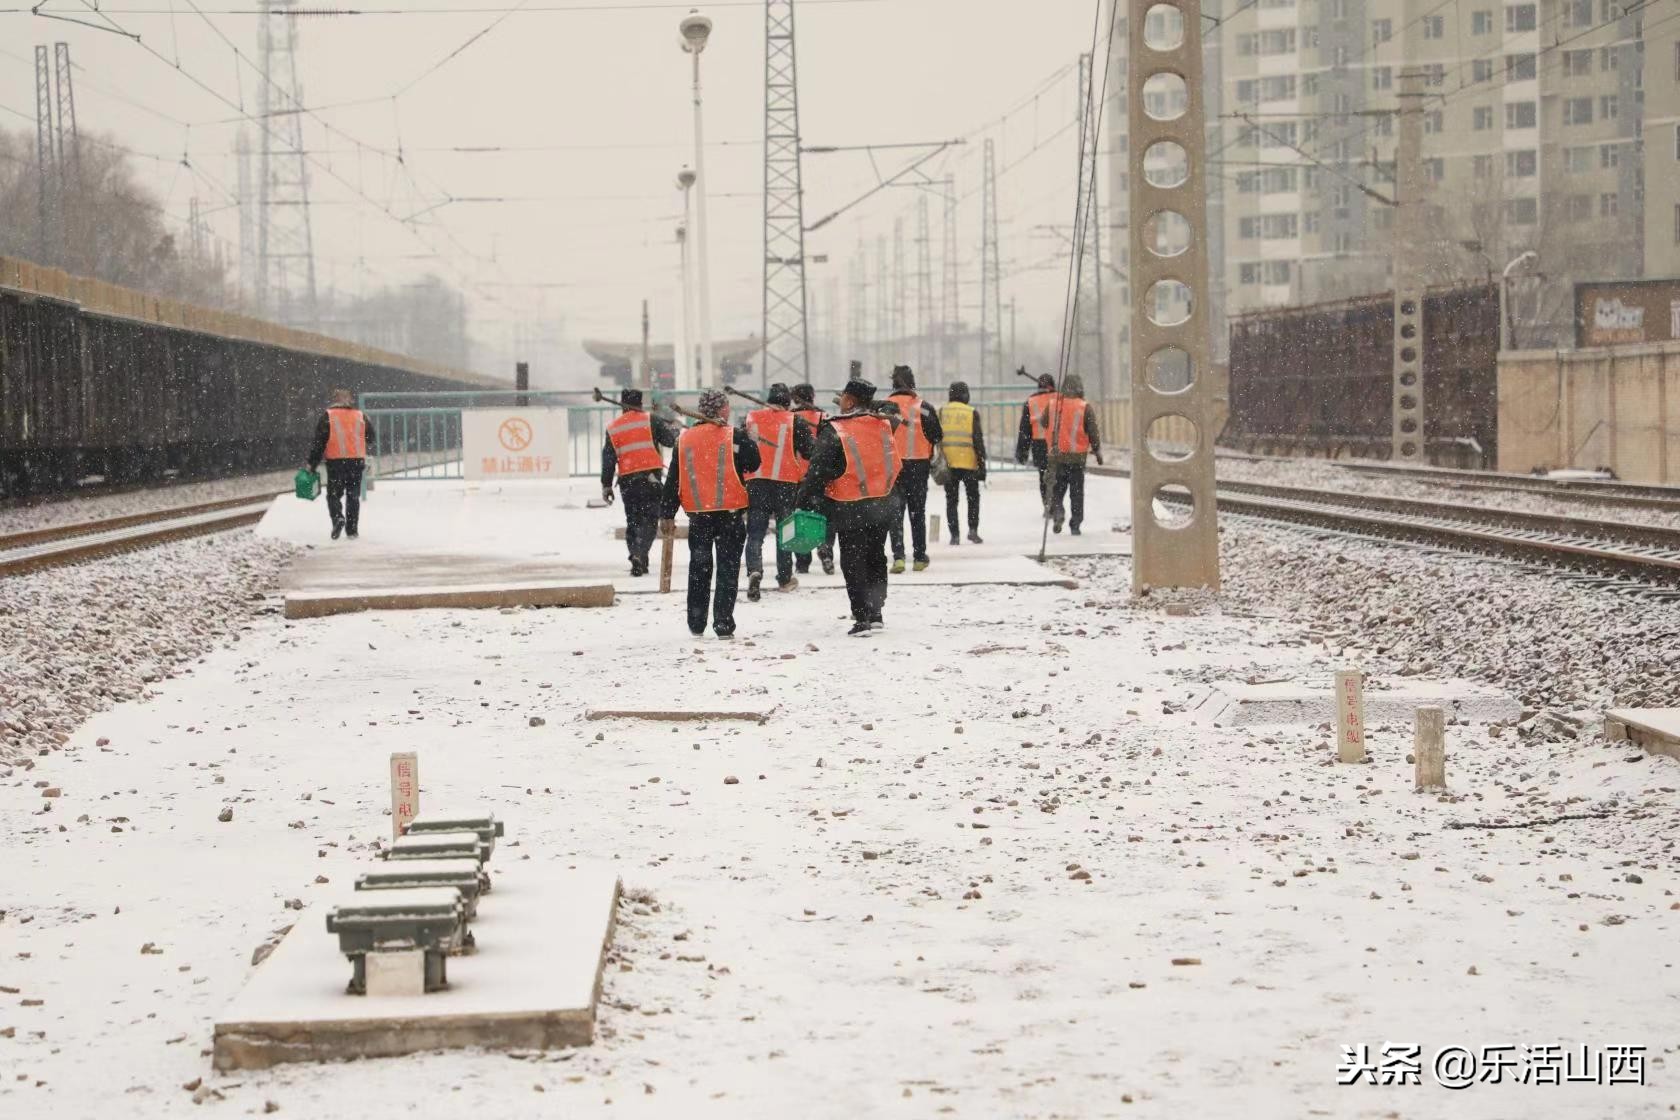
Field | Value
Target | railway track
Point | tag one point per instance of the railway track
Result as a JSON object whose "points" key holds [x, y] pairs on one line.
{"points": [[35, 549], [1622, 550], [1606, 492]]}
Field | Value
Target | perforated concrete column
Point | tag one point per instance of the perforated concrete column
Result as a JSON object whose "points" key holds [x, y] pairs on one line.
{"points": [[1175, 540], [1408, 283]]}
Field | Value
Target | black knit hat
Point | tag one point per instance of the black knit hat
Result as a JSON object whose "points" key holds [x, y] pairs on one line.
{"points": [[902, 378], [1046, 383], [860, 390], [959, 391], [779, 395], [630, 398], [805, 393], [713, 404]]}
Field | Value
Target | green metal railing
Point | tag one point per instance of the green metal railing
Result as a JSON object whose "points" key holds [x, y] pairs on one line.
{"points": [[418, 435]]}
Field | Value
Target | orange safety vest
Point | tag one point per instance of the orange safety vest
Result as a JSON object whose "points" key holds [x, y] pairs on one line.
{"points": [[1041, 410], [1070, 427], [632, 441], [347, 434], [872, 460], [709, 482], [908, 437], [772, 430], [811, 416]]}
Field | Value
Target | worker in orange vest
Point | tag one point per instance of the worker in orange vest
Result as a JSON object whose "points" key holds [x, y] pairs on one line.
{"points": [[1073, 435], [631, 450], [343, 436], [1033, 437], [854, 467], [784, 447], [805, 407], [917, 434], [706, 478]]}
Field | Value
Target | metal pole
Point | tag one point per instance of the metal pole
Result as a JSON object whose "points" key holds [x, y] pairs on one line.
{"points": [[708, 367], [646, 379], [682, 353]]}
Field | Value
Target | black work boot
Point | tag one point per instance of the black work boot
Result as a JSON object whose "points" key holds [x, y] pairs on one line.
{"points": [[753, 580]]}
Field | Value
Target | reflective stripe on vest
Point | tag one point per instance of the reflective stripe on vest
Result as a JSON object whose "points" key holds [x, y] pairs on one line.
{"points": [[872, 462], [1041, 408], [910, 440], [346, 434], [1070, 428], [632, 441], [772, 430], [957, 419], [707, 452]]}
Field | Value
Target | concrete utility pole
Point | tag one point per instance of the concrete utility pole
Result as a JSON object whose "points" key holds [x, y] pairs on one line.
{"points": [[950, 290], [646, 379], [991, 277], [924, 292], [1166, 73], [1409, 432]]}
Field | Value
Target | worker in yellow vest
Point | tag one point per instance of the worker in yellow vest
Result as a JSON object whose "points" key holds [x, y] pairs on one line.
{"points": [[343, 436], [964, 446], [706, 477], [917, 434]]}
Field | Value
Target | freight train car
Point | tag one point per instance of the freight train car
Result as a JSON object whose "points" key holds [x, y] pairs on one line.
{"points": [[91, 395], [1317, 380]]}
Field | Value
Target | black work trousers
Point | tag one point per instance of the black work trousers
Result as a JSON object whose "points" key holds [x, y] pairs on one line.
{"points": [[861, 528], [911, 491], [344, 493], [640, 494], [715, 541], [1041, 460], [768, 502], [969, 481], [1069, 480]]}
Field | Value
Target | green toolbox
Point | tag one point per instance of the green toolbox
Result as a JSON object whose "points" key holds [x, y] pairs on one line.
{"points": [[483, 823], [428, 919], [439, 845], [307, 484], [802, 531]]}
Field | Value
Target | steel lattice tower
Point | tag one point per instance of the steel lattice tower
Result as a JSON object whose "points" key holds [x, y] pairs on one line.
{"points": [[991, 277], [897, 332], [46, 237], [285, 242], [247, 220], [1089, 358], [69, 142], [924, 293], [950, 291], [787, 352]]}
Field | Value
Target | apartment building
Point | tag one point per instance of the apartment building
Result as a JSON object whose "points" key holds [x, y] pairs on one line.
{"points": [[1540, 119]]}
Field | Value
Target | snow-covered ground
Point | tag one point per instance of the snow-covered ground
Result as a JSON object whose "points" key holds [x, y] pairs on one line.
{"points": [[951, 876]]}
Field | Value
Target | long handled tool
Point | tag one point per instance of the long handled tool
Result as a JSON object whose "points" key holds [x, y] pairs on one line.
{"points": [[734, 392], [667, 545]]}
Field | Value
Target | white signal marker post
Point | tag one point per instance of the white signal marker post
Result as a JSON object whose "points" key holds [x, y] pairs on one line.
{"points": [[1350, 716], [405, 790], [1429, 748]]}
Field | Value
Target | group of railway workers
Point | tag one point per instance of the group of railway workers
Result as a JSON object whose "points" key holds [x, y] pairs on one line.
{"points": [[865, 467]]}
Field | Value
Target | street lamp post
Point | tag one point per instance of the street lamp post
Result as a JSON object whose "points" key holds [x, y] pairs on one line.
{"points": [[695, 29], [686, 375], [1507, 329]]}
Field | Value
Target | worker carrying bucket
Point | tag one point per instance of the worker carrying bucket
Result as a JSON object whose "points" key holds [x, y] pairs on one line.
{"points": [[343, 437]]}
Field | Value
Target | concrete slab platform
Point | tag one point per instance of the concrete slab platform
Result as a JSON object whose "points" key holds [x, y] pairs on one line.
{"points": [[534, 983], [669, 714], [318, 604], [1655, 729], [1313, 701], [433, 533]]}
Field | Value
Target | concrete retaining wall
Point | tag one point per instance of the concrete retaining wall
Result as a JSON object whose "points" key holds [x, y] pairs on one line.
{"points": [[1617, 408]]}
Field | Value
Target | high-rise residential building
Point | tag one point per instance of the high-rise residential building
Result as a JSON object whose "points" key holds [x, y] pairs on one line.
{"points": [[1549, 125]]}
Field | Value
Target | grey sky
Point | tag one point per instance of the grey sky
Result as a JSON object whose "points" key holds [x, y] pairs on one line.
{"points": [[607, 92]]}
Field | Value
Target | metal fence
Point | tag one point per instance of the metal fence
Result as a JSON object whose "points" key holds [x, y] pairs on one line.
{"points": [[418, 435]]}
